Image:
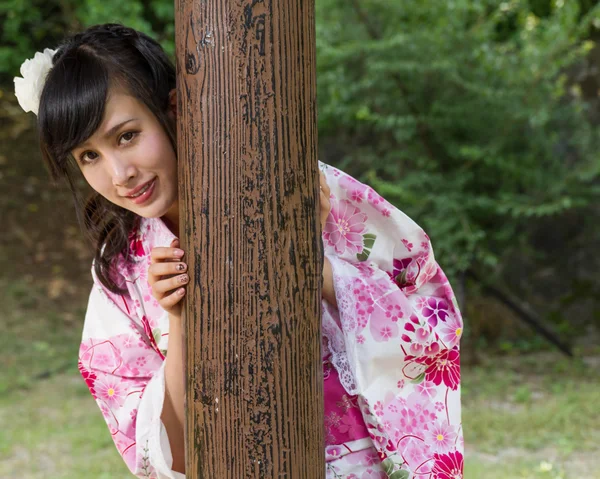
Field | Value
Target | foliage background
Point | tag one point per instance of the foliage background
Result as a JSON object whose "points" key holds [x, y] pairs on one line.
{"points": [[478, 118]]}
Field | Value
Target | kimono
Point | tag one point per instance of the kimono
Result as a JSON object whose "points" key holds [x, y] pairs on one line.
{"points": [[391, 361]]}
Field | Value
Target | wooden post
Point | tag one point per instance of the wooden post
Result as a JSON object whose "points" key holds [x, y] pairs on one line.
{"points": [[247, 146]]}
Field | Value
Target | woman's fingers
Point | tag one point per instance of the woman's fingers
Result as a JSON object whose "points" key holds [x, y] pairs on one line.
{"points": [[165, 285], [325, 204], [323, 184], [172, 299], [162, 254], [166, 269]]}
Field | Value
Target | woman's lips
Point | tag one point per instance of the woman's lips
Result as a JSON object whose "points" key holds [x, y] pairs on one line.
{"points": [[145, 196]]}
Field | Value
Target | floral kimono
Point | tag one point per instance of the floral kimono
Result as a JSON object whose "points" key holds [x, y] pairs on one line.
{"points": [[391, 366]]}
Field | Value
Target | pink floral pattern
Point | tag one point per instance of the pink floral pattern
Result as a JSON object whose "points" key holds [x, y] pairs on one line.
{"points": [[395, 339], [391, 361], [344, 227]]}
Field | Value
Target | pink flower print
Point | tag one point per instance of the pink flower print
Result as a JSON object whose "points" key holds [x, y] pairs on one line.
{"points": [[394, 312], [435, 309], [101, 360], [445, 367], [345, 227], [356, 196], [130, 341], [111, 391], [402, 272], [409, 246], [422, 335], [378, 408], [383, 330], [451, 330], [386, 333], [427, 389], [133, 413], [431, 349], [416, 349], [418, 457], [136, 245], [386, 212], [334, 451], [141, 361], [360, 339], [439, 406], [448, 466], [441, 437], [89, 377], [373, 474], [400, 384]]}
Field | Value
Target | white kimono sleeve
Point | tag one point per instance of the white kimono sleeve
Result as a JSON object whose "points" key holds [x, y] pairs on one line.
{"points": [[126, 378], [395, 334]]}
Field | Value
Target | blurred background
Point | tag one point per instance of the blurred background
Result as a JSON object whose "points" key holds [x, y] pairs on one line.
{"points": [[479, 119]]}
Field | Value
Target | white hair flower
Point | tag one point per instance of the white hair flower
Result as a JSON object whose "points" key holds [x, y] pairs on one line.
{"points": [[28, 89]]}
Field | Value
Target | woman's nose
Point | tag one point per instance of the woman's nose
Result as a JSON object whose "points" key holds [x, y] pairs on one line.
{"points": [[122, 171]]}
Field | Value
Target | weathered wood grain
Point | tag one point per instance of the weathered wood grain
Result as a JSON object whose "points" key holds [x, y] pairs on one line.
{"points": [[247, 146]]}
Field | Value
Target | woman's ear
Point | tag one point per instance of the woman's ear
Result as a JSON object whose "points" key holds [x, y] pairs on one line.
{"points": [[173, 103]]}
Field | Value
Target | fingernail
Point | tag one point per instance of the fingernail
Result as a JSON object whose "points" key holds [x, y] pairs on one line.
{"points": [[178, 252], [183, 278], [180, 291], [181, 267]]}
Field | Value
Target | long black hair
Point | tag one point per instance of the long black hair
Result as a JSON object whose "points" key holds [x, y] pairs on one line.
{"points": [[85, 67]]}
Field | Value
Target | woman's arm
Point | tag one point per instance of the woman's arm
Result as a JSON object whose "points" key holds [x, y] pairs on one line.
{"points": [[328, 291], [173, 415]]}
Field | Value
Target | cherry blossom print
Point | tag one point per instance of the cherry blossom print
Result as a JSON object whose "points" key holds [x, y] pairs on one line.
{"points": [[345, 227], [434, 310], [448, 466], [427, 389], [441, 437]]}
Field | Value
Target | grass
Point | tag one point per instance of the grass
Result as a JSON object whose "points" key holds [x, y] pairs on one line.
{"points": [[524, 416], [51, 427], [55, 430], [532, 417]]}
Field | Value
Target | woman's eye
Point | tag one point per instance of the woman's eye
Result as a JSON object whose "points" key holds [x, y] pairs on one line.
{"points": [[88, 156], [127, 137]]}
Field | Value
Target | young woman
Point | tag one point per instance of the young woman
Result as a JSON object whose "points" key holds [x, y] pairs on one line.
{"points": [[391, 327]]}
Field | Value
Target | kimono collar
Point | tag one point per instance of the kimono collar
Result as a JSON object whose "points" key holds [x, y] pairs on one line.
{"points": [[148, 233]]}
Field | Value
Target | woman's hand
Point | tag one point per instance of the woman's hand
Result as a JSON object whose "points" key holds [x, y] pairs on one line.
{"points": [[325, 204], [328, 291], [166, 275]]}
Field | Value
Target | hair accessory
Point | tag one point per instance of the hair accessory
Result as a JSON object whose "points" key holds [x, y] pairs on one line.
{"points": [[28, 89]]}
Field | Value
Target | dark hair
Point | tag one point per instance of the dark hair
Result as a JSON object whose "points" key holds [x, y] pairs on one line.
{"points": [[85, 67]]}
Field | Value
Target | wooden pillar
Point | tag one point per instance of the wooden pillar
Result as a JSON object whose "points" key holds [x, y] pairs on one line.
{"points": [[247, 146]]}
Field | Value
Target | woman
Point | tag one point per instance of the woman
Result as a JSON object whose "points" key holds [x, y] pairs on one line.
{"points": [[391, 328]]}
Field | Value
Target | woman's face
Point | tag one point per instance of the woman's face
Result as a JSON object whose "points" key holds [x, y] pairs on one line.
{"points": [[130, 160]]}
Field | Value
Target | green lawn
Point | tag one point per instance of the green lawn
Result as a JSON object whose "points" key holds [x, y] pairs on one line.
{"points": [[528, 417]]}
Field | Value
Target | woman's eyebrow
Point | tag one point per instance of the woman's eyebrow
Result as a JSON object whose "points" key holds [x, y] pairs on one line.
{"points": [[106, 135], [115, 128]]}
